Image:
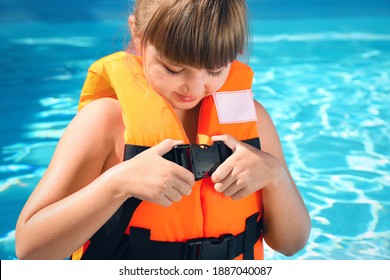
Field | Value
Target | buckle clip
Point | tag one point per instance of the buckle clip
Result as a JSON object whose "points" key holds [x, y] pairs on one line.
{"points": [[209, 248], [182, 155], [201, 160]]}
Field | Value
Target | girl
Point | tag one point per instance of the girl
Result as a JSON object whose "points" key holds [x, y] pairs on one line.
{"points": [[186, 87]]}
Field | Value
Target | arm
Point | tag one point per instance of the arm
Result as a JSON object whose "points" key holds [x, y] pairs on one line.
{"points": [[286, 226], [68, 205], [86, 182]]}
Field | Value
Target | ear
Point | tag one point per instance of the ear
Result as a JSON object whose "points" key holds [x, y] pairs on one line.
{"points": [[135, 36]]}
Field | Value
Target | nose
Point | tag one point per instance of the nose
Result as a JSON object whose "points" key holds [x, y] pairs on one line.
{"points": [[195, 84]]}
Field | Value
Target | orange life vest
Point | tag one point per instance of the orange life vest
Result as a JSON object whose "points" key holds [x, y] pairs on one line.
{"points": [[148, 120]]}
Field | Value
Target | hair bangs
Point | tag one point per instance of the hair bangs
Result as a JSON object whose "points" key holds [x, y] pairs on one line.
{"points": [[199, 34]]}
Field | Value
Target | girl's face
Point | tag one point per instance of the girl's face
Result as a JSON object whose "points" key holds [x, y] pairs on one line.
{"points": [[183, 87]]}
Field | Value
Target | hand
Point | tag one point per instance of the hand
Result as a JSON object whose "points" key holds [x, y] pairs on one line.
{"points": [[246, 171], [156, 179]]}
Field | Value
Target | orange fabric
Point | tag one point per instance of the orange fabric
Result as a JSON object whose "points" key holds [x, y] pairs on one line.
{"points": [[148, 120]]}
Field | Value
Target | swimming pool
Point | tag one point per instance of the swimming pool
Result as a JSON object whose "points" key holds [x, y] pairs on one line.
{"points": [[322, 71]]}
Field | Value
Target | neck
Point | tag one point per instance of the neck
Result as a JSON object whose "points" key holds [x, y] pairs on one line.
{"points": [[189, 120]]}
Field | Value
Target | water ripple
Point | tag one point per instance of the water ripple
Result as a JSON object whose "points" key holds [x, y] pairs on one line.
{"points": [[75, 41], [322, 36]]}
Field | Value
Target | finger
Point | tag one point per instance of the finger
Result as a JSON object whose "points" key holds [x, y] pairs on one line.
{"points": [[165, 146], [240, 193], [184, 187], [175, 172], [164, 201], [172, 194], [225, 184], [229, 140], [232, 189], [223, 170]]}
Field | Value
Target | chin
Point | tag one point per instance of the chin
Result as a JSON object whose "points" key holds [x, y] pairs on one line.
{"points": [[186, 106]]}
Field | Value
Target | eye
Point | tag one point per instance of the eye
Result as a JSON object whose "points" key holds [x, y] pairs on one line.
{"points": [[215, 73], [171, 71]]}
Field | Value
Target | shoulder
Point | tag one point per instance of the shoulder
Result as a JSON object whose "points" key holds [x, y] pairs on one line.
{"points": [[264, 121], [107, 129], [102, 108], [263, 117], [96, 131], [270, 141], [97, 123]]}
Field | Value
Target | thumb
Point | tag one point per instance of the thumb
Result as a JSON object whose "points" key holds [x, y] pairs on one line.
{"points": [[165, 146]]}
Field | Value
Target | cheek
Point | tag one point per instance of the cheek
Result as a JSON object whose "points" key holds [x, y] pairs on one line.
{"points": [[159, 81]]}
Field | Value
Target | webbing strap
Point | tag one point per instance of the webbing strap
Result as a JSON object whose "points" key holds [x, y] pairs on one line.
{"points": [[106, 240], [140, 243], [225, 247], [251, 234]]}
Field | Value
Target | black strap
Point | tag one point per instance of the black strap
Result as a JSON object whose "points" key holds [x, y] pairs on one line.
{"points": [[106, 240], [140, 243], [225, 247], [251, 233]]}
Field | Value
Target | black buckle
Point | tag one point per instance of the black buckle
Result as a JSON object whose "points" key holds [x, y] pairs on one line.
{"points": [[183, 155], [209, 248], [201, 160]]}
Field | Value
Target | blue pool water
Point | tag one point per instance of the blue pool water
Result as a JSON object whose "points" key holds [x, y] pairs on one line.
{"points": [[322, 71]]}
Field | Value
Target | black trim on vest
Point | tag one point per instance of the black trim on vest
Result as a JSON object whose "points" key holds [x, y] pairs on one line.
{"points": [[109, 243]]}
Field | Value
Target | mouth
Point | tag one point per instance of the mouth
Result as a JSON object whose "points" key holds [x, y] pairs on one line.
{"points": [[184, 98]]}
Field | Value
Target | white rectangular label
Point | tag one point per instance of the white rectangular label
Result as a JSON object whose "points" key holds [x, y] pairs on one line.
{"points": [[235, 106]]}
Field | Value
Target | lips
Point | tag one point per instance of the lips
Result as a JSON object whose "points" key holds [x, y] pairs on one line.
{"points": [[184, 98]]}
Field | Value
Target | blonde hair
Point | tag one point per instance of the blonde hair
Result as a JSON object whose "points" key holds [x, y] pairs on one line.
{"points": [[197, 33]]}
